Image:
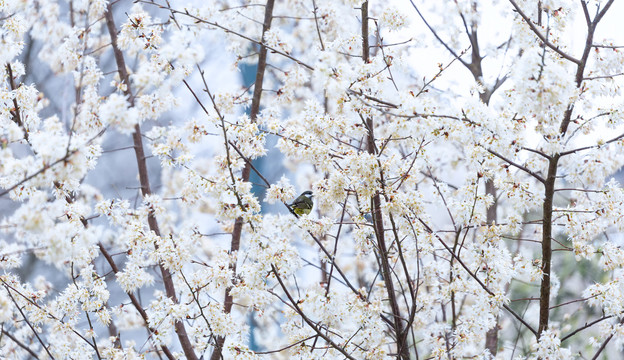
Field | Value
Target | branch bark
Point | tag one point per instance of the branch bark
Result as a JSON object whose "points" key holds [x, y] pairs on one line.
{"points": [[549, 184], [133, 299], [20, 344], [43, 345], [541, 36], [180, 329], [378, 225], [255, 110], [319, 331], [476, 69]]}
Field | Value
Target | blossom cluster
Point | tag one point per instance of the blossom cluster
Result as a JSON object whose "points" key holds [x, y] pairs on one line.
{"points": [[464, 176]]}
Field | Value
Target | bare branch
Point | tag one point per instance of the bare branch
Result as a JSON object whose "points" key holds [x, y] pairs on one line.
{"points": [[523, 168], [144, 180], [311, 324], [20, 344], [541, 36]]}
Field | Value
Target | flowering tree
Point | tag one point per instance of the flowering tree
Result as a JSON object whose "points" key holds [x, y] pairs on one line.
{"points": [[450, 206]]}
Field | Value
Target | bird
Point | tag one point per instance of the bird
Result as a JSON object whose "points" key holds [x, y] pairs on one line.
{"points": [[303, 203]]}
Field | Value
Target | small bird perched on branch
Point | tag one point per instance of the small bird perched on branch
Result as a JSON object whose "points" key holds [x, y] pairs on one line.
{"points": [[303, 203]]}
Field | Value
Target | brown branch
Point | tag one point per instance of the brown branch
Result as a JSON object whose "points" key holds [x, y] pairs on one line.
{"points": [[572, 302], [255, 110], [180, 329], [564, 153], [332, 264], [64, 159], [49, 314], [311, 324], [112, 328], [318, 29], [377, 100], [386, 271], [439, 73], [603, 76], [302, 341], [251, 165], [549, 184], [523, 168], [40, 171], [6, 287], [230, 31], [603, 346], [540, 36], [17, 118], [20, 344], [547, 219], [474, 276], [135, 302], [455, 55], [587, 325]]}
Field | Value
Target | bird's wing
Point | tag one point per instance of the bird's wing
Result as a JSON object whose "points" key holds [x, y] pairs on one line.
{"points": [[296, 203]]}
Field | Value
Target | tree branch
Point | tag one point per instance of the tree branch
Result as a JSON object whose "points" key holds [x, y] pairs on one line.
{"points": [[20, 344], [255, 110], [311, 324], [541, 36], [186, 344]]}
